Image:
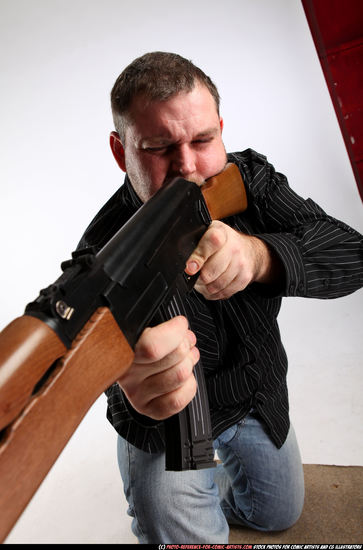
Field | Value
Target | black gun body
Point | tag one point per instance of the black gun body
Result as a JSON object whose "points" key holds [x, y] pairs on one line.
{"points": [[140, 268]]}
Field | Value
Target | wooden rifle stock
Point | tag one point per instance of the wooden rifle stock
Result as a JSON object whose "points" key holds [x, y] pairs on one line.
{"points": [[45, 389], [32, 442], [225, 193], [28, 347]]}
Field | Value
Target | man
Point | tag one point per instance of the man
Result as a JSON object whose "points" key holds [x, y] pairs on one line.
{"points": [[166, 115]]}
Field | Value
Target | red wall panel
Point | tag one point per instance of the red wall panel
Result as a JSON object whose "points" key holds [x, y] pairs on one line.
{"points": [[337, 30]]}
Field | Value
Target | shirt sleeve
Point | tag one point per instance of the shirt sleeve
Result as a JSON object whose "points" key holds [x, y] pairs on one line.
{"points": [[322, 256]]}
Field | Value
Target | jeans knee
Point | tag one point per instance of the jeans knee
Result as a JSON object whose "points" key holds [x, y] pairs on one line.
{"points": [[285, 516]]}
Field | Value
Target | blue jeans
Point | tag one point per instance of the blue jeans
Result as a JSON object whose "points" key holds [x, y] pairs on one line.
{"points": [[256, 485]]}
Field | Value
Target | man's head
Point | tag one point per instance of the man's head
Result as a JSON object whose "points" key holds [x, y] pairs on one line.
{"points": [[155, 76], [166, 113]]}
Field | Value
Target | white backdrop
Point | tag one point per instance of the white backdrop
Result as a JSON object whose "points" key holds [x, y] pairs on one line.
{"points": [[59, 59]]}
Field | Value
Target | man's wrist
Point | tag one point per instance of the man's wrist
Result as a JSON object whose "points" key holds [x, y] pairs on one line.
{"points": [[268, 266]]}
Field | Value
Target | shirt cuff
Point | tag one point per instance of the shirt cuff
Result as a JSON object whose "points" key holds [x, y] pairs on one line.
{"points": [[289, 253]]}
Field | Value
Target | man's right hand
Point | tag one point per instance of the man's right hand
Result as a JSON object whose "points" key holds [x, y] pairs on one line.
{"points": [[160, 382]]}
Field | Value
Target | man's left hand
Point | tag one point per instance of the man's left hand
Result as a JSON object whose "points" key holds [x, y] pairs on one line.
{"points": [[228, 261]]}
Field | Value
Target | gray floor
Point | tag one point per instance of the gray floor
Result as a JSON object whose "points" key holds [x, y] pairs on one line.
{"points": [[333, 511]]}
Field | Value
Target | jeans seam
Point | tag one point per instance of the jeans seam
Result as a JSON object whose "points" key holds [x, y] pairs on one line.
{"points": [[249, 517], [132, 492], [240, 425]]}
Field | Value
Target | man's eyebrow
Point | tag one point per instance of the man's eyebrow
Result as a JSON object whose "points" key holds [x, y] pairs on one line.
{"points": [[155, 140], [205, 133]]}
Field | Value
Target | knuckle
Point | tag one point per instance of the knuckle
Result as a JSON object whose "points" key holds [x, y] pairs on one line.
{"points": [[206, 276], [137, 401], [175, 405], [192, 360], [216, 286], [183, 348], [166, 406], [180, 321], [147, 346], [195, 356], [217, 236], [156, 408], [193, 387], [182, 373], [178, 400], [210, 272], [150, 351]]}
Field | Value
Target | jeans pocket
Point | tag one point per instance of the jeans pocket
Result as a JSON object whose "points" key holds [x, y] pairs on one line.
{"points": [[230, 434]]}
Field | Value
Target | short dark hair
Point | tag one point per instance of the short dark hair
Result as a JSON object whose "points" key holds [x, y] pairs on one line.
{"points": [[158, 76]]}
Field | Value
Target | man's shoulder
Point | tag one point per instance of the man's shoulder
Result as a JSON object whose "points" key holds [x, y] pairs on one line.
{"points": [[256, 170], [251, 164], [113, 215], [247, 156]]}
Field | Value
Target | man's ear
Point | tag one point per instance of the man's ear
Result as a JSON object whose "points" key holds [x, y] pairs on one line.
{"points": [[118, 150], [221, 123]]}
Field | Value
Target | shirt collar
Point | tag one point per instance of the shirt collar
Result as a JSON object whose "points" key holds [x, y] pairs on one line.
{"points": [[131, 196]]}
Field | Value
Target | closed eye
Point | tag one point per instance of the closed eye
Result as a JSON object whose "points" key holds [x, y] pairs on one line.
{"points": [[164, 149], [160, 149], [202, 141]]}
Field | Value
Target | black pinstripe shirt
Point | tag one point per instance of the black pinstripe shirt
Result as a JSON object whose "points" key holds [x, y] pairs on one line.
{"points": [[242, 355]]}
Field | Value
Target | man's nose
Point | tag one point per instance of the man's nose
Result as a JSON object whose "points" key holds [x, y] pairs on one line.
{"points": [[184, 162]]}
